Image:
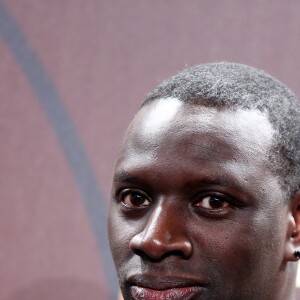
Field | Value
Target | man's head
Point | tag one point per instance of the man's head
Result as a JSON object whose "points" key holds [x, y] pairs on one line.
{"points": [[205, 202]]}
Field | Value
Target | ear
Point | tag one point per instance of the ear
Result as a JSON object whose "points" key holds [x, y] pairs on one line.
{"points": [[293, 228]]}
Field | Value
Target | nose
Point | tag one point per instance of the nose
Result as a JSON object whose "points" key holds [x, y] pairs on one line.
{"points": [[163, 235]]}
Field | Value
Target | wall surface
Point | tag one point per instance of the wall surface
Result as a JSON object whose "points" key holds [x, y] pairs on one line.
{"points": [[72, 74]]}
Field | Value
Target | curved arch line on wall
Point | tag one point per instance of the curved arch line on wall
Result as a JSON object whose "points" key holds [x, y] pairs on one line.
{"points": [[67, 136]]}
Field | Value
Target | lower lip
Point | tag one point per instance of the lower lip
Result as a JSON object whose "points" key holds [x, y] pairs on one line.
{"points": [[186, 293]]}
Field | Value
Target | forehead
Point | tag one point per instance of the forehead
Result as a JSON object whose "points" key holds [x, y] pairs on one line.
{"points": [[224, 130]]}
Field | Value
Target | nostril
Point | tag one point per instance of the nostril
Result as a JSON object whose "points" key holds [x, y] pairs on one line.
{"points": [[174, 253], [143, 255], [154, 259], [153, 256], [156, 249]]}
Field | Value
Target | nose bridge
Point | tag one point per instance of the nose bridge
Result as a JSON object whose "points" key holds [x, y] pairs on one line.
{"points": [[161, 225], [164, 233]]}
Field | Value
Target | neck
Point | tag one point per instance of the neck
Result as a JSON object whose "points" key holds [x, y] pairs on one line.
{"points": [[288, 284]]}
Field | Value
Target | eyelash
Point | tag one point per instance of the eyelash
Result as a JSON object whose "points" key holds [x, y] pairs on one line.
{"points": [[232, 204], [133, 192], [222, 203]]}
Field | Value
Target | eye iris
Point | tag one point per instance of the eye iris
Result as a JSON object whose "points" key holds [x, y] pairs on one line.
{"points": [[216, 202], [136, 199]]}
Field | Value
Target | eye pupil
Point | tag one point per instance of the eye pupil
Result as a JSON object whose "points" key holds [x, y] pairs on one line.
{"points": [[216, 202], [137, 199]]}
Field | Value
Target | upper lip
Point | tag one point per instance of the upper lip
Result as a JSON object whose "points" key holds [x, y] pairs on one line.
{"points": [[157, 282]]}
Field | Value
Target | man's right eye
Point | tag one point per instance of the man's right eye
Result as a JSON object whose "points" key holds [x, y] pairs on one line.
{"points": [[135, 199]]}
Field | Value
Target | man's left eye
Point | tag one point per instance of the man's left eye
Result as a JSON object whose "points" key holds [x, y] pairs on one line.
{"points": [[213, 202]]}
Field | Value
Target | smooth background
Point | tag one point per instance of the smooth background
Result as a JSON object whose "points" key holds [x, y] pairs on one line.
{"points": [[72, 74]]}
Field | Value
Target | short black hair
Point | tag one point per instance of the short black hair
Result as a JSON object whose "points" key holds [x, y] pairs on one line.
{"points": [[232, 85]]}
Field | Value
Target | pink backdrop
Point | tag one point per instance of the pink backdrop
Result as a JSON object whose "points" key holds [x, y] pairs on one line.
{"points": [[72, 74]]}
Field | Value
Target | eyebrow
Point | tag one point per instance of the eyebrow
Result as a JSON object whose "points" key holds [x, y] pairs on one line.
{"points": [[212, 181], [124, 176]]}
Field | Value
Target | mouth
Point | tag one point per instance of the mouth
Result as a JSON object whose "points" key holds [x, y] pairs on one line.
{"points": [[165, 288], [186, 293]]}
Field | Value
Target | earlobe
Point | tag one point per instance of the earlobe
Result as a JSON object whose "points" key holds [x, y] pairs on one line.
{"points": [[297, 254], [293, 232]]}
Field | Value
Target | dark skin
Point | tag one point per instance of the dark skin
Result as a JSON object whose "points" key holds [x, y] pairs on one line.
{"points": [[197, 211]]}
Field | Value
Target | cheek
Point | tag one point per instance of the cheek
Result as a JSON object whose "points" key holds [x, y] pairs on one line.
{"points": [[120, 233], [239, 251]]}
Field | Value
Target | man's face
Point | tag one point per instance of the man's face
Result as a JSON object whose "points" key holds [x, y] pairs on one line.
{"points": [[196, 211]]}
